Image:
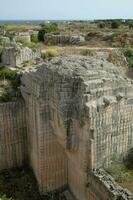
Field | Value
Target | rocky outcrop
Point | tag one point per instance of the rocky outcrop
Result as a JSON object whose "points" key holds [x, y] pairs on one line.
{"points": [[76, 115], [4, 41], [101, 186], [16, 55], [63, 39], [23, 37], [79, 115]]}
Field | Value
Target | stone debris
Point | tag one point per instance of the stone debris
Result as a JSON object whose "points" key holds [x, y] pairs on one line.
{"points": [[100, 181]]}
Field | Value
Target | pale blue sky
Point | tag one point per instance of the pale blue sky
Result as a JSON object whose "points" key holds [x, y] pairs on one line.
{"points": [[65, 9]]}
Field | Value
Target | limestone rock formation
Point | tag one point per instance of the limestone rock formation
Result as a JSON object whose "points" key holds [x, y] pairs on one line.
{"points": [[63, 39], [16, 55], [4, 41], [75, 115], [79, 114], [23, 36]]}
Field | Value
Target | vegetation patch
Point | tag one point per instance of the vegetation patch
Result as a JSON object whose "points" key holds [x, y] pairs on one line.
{"points": [[50, 53], [129, 55], [9, 85], [87, 52], [20, 184], [47, 28], [122, 171]]}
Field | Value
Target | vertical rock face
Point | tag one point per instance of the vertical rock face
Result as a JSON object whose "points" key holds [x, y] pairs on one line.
{"points": [[13, 135], [4, 41], [80, 113], [15, 56]]}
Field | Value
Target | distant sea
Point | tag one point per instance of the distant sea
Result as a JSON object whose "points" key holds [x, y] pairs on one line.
{"points": [[20, 22]]}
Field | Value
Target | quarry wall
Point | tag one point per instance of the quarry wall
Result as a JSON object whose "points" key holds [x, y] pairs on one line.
{"points": [[13, 135], [63, 39], [75, 117], [47, 157], [81, 112]]}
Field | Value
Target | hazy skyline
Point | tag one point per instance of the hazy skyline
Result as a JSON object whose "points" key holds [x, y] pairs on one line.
{"points": [[67, 9]]}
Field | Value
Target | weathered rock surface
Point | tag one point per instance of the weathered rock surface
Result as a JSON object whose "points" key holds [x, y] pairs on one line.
{"points": [[76, 115], [63, 39], [23, 36], [16, 55], [4, 41], [102, 186], [80, 113], [13, 135]]}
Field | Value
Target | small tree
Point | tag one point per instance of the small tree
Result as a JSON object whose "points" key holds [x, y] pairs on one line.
{"points": [[115, 24], [47, 28], [102, 25]]}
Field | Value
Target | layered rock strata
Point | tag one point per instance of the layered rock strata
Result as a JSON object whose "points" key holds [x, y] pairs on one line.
{"points": [[63, 39], [80, 113], [16, 55]]}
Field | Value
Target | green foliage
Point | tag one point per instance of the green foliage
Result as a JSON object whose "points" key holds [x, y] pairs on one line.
{"points": [[11, 91], [115, 24], [129, 55], [102, 25], [20, 184], [47, 28], [28, 44], [34, 38], [0, 52], [50, 53], [9, 74], [5, 97], [119, 172], [3, 197], [87, 52], [129, 159]]}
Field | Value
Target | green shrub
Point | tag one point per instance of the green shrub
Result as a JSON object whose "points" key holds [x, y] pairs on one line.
{"points": [[5, 97], [87, 52], [50, 53], [3, 197], [102, 25], [129, 159], [129, 55], [115, 24], [119, 172], [9, 74], [47, 28], [34, 38]]}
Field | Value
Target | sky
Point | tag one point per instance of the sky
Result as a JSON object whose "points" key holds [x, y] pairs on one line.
{"points": [[65, 9]]}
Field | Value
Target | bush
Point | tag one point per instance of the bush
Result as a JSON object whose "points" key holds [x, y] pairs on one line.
{"points": [[102, 25], [34, 38], [115, 24], [119, 172], [129, 55], [9, 74], [87, 52], [3, 197], [129, 159], [50, 53], [5, 97], [47, 28]]}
